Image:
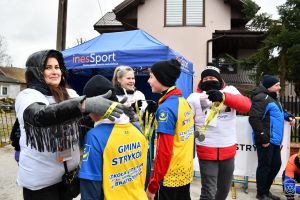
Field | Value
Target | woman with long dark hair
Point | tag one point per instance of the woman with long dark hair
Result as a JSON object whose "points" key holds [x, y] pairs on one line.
{"points": [[48, 113]]}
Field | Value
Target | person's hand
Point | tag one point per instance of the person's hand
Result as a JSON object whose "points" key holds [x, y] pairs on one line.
{"points": [[152, 106], [139, 103], [215, 95], [150, 195], [292, 121], [265, 145], [99, 105]]}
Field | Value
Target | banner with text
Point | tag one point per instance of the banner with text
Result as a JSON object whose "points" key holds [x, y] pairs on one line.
{"points": [[246, 156]]}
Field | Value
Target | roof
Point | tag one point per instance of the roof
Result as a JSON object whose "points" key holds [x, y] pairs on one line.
{"points": [[108, 23], [225, 41], [13, 74], [5, 79], [126, 6], [133, 48], [109, 19]]}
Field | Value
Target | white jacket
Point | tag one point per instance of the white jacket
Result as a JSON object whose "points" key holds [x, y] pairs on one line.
{"points": [[221, 131]]}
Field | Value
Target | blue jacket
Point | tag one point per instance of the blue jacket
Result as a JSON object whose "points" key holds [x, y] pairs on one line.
{"points": [[267, 117]]}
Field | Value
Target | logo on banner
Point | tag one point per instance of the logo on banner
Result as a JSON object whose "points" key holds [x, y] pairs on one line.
{"points": [[184, 63], [95, 59]]}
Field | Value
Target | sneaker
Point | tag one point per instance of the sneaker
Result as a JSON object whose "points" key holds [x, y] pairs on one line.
{"points": [[263, 197], [274, 197]]}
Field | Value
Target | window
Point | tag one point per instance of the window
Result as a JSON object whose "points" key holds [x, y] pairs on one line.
{"points": [[184, 12], [3, 90]]}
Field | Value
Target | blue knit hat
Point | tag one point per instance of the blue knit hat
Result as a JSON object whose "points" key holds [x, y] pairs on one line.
{"points": [[269, 81]]}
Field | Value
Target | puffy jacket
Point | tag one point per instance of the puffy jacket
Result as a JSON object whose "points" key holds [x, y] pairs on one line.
{"points": [[220, 140], [266, 118]]}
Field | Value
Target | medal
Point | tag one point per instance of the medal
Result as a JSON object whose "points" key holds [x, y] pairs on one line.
{"points": [[215, 108]]}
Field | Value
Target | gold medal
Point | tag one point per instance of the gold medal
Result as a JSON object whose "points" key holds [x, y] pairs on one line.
{"points": [[215, 108]]}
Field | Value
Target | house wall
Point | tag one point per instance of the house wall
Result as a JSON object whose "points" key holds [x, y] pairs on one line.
{"points": [[188, 41], [12, 90]]}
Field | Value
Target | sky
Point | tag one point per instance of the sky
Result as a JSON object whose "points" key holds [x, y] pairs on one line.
{"points": [[30, 25]]}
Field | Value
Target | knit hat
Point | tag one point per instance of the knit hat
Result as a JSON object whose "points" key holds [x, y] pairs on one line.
{"points": [[269, 81], [296, 161], [99, 85], [166, 72], [211, 71]]}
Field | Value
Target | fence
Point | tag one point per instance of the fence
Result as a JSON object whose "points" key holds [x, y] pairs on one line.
{"points": [[292, 105], [7, 120]]}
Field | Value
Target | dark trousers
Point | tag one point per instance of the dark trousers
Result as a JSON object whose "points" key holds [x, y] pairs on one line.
{"points": [[269, 162], [216, 177], [53, 192], [173, 193]]}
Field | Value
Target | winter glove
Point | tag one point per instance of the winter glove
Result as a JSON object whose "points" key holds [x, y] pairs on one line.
{"points": [[215, 95], [152, 106], [139, 102], [99, 105]]}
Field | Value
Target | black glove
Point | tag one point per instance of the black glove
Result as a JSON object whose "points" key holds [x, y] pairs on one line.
{"points": [[215, 95], [139, 102], [152, 106]]}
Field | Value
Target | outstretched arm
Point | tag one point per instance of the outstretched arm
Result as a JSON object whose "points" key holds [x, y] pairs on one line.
{"points": [[238, 102]]}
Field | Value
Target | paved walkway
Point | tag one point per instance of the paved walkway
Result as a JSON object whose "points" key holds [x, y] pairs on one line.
{"points": [[10, 191]]}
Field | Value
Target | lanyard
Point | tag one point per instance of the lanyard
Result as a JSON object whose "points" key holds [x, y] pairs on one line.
{"points": [[163, 97], [215, 108]]}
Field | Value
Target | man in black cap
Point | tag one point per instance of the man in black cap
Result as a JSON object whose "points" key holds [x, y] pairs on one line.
{"points": [[173, 166], [266, 118]]}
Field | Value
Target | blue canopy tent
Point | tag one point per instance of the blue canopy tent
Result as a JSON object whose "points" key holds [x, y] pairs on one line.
{"points": [[136, 49]]}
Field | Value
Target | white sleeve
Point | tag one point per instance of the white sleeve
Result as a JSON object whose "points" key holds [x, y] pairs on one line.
{"points": [[27, 97], [191, 100], [72, 93], [231, 89]]}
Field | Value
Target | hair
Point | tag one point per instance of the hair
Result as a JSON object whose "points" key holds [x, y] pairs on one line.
{"points": [[59, 93], [120, 72]]}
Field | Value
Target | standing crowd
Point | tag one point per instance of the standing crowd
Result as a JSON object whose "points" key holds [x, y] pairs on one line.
{"points": [[111, 161]]}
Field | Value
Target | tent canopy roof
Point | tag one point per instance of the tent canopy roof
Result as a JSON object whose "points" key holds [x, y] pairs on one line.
{"points": [[133, 48]]}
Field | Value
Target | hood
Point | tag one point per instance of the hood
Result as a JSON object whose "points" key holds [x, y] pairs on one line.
{"points": [[35, 70], [260, 89]]}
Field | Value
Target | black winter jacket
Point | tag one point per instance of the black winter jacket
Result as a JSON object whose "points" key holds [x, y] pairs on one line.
{"points": [[267, 117]]}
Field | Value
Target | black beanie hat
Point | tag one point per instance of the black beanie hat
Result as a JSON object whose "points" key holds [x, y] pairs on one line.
{"points": [[269, 81], [166, 72], [99, 85], [211, 71]]}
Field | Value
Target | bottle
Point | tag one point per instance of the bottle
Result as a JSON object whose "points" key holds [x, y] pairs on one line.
{"points": [[233, 191]]}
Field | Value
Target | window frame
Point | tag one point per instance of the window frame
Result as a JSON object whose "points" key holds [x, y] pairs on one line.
{"points": [[183, 15], [2, 87]]}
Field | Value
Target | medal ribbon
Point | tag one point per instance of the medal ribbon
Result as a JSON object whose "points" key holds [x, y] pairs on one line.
{"points": [[215, 108]]}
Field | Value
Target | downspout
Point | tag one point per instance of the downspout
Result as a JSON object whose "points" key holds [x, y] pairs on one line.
{"points": [[207, 46]]}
